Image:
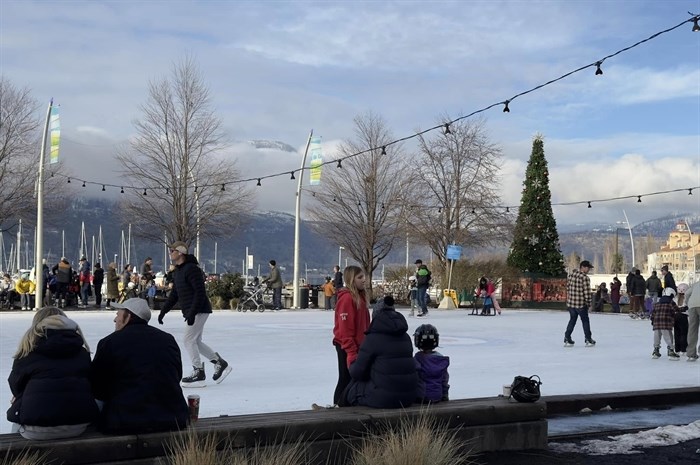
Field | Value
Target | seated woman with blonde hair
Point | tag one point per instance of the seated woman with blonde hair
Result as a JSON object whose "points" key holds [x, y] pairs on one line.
{"points": [[50, 379]]}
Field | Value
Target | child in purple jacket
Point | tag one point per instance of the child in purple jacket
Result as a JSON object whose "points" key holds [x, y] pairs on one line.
{"points": [[433, 378]]}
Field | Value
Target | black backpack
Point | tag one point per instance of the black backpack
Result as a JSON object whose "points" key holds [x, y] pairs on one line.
{"points": [[525, 389]]}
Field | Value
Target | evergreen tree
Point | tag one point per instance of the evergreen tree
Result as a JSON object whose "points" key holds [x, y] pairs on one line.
{"points": [[535, 246]]}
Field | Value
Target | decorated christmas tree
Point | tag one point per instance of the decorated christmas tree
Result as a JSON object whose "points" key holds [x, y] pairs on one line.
{"points": [[535, 246]]}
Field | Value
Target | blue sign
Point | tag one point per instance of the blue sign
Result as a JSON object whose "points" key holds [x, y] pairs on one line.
{"points": [[454, 252]]}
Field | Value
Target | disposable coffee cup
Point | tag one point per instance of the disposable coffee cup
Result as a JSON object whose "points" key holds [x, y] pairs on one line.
{"points": [[193, 404], [506, 390]]}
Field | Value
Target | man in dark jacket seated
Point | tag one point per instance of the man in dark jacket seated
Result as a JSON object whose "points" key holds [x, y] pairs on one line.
{"points": [[136, 372], [384, 374]]}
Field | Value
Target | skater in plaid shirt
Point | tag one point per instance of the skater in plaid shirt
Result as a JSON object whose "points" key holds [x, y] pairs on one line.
{"points": [[578, 301]]}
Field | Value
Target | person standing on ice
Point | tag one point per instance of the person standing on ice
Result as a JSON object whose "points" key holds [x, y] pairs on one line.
{"points": [[662, 319], [188, 289], [351, 322], [578, 301]]}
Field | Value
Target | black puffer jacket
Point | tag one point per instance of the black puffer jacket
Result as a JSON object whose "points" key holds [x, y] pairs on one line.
{"points": [[51, 385], [188, 289], [136, 371], [384, 374]]}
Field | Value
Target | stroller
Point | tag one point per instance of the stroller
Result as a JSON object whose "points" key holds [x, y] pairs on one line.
{"points": [[252, 298]]}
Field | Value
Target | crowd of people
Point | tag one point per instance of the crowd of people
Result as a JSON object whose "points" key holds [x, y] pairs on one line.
{"points": [[658, 299], [66, 286]]}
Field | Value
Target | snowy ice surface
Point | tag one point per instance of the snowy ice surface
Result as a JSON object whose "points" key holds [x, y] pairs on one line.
{"points": [[285, 361]]}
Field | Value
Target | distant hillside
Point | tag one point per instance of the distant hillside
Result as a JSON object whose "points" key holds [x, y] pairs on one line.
{"points": [[270, 235]]}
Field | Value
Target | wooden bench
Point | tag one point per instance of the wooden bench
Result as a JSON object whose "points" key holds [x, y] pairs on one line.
{"points": [[487, 424]]}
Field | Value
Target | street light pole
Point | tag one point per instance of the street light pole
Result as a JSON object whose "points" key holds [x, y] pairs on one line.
{"points": [[629, 228], [340, 255]]}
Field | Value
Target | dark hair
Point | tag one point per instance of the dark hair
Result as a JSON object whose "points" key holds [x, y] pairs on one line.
{"points": [[148, 258], [273, 263], [97, 265]]}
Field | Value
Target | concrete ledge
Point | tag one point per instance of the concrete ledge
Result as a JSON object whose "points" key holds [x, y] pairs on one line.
{"points": [[487, 424]]}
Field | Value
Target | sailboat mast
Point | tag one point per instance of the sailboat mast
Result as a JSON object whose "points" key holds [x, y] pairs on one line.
{"points": [[19, 246]]}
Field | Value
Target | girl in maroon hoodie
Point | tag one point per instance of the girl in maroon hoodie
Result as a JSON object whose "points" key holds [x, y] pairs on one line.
{"points": [[351, 322]]}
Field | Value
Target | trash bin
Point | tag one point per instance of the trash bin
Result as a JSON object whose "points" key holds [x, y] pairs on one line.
{"points": [[314, 297], [304, 297]]}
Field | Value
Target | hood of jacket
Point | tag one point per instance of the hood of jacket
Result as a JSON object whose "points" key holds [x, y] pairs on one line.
{"points": [[388, 321], [59, 343]]}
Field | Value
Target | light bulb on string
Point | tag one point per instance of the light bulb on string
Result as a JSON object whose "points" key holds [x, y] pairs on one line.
{"points": [[83, 183], [103, 187], [589, 205], [144, 192], [598, 71], [223, 187], [292, 173], [696, 26], [690, 191], [384, 150], [639, 199], [506, 109], [447, 129], [259, 182], [340, 163], [68, 180], [122, 191]]}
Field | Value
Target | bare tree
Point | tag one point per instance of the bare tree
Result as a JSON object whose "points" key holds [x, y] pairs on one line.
{"points": [[455, 198], [20, 139], [362, 202], [177, 154]]}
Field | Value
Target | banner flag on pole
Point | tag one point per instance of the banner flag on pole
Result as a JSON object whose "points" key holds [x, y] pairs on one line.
{"points": [[316, 160], [55, 131]]}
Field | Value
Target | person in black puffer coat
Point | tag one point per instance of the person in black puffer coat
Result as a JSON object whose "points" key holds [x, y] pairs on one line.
{"points": [[136, 372], [50, 379], [384, 374]]}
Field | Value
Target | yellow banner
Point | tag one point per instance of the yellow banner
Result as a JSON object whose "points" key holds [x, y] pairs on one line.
{"points": [[316, 161], [55, 134]]}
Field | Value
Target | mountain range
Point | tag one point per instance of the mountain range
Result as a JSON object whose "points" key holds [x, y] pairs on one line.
{"points": [[270, 235]]}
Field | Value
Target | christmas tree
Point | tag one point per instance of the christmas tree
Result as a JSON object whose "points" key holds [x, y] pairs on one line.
{"points": [[535, 246]]}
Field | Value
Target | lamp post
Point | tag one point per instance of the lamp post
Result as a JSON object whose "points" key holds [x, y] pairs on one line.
{"points": [[629, 228], [340, 254]]}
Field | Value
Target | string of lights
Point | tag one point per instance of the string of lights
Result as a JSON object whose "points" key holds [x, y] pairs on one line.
{"points": [[445, 127], [507, 208]]}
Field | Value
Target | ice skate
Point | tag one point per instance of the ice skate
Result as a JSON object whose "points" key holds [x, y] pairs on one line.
{"points": [[221, 369], [672, 355], [656, 354], [590, 342], [692, 358], [568, 342], [195, 380]]}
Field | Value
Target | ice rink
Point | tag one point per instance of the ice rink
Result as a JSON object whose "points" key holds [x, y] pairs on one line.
{"points": [[285, 360]]}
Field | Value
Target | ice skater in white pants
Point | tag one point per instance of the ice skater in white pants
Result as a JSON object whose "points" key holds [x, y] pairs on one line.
{"points": [[188, 289], [692, 300]]}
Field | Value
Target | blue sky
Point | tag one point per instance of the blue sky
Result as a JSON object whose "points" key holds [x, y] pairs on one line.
{"points": [[278, 69]]}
